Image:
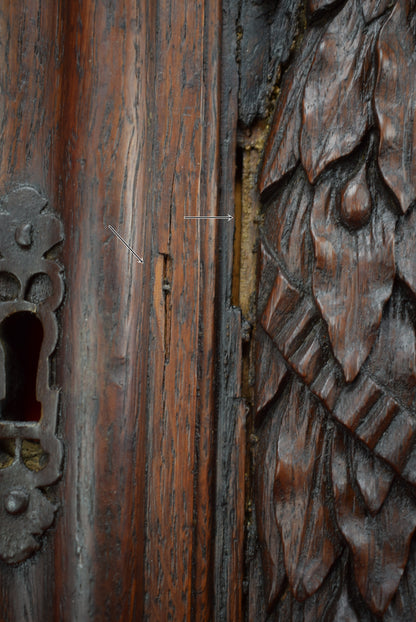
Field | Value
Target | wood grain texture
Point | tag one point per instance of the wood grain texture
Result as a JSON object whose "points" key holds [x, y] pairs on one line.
{"points": [[393, 361], [268, 530], [405, 252], [317, 5], [282, 148], [375, 8], [100, 148], [287, 227], [184, 138], [309, 540], [266, 32], [231, 434], [271, 371], [354, 271], [379, 544], [31, 38], [338, 81], [372, 476], [340, 313], [112, 110], [395, 103]]}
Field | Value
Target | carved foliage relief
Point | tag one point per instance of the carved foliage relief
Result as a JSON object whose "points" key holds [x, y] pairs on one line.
{"points": [[335, 337]]}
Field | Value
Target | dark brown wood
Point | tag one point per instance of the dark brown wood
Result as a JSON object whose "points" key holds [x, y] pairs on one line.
{"points": [[112, 111], [394, 100], [264, 36], [335, 341], [339, 80], [229, 454]]}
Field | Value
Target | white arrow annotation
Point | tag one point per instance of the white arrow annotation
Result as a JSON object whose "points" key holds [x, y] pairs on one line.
{"points": [[139, 259], [228, 217]]}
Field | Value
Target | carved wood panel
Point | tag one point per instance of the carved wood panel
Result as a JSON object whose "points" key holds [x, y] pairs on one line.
{"points": [[335, 342]]}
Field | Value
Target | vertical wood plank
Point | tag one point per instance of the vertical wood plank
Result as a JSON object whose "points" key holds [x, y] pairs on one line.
{"points": [[99, 557], [180, 407], [112, 110], [231, 436], [30, 79], [204, 490]]}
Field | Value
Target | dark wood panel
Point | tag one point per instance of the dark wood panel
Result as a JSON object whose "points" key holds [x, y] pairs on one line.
{"points": [[99, 554], [335, 365], [31, 75], [112, 111], [183, 179], [228, 568]]}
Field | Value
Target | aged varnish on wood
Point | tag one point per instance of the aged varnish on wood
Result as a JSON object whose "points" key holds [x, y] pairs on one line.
{"points": [[224, 431], [111, 111], [334, 466]]}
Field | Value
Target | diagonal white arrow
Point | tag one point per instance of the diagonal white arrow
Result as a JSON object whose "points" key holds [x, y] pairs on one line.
{"points": [[139, 259]]}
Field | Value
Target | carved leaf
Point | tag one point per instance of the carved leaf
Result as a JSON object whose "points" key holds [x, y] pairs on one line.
{"points": [[344, 611], [268, 271], [316, 608], [380, 543], [374, 8], [323, 601], [353, 276], [271, 370], [269, 535], [406, 249], [395, 104], [317, 5], [287, 228], [340, 81], [373, 477], [282, 148], [393, 360], [403, 603], [310, 542]]}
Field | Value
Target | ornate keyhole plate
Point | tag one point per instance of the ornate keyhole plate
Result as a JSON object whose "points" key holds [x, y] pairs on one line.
{"points": [[31, 290]]}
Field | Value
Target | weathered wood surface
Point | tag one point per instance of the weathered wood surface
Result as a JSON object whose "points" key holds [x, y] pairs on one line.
{"points": [[264, 36], [335, 341], [230, 494], [128, 114], [111, 109]]}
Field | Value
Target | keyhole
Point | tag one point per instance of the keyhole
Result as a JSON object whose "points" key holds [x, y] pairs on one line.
{"points": [[21, 335]]}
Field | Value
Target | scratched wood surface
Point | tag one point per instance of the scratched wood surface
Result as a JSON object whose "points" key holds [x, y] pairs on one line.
{"points": [[335, 365], [111, 110]]}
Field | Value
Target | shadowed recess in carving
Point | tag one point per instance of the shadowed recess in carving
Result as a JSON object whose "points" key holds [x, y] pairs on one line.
{"points": [[21, 336], [7, 452], [39, 288], [34, 457], [9, 286]]}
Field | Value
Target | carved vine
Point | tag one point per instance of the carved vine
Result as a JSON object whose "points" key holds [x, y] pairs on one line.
{"points": [[336, 341]]}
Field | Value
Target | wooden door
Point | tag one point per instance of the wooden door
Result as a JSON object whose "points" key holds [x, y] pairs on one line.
{"points": [[207, 310]]}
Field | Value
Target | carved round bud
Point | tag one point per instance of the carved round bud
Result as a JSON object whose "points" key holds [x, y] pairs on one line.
{"points": [[16, 501], [356, 201], [24, 235]]}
